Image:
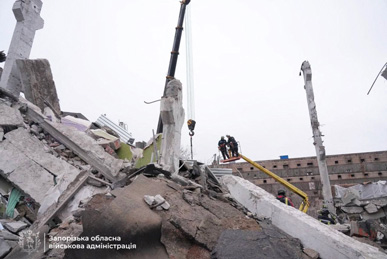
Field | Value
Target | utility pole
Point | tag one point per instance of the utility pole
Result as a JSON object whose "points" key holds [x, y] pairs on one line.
{"points": [[318, 143]]}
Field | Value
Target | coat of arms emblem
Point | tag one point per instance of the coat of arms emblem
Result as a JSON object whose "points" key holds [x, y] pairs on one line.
{"points": [[29, 241]]}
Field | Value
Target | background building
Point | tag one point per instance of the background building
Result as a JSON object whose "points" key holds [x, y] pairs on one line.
{"points": [[344, 169]]}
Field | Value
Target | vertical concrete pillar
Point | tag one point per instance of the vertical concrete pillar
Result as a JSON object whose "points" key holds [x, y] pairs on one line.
{"points": [[318, 143], [27, 14], [172, 115]]}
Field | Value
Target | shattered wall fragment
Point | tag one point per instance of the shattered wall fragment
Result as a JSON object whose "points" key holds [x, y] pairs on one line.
{"points": [[172, 115], [38, 84]]}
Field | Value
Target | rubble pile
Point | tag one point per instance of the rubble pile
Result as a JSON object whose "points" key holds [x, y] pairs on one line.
{"points": [[60, 179], [363, 209]]}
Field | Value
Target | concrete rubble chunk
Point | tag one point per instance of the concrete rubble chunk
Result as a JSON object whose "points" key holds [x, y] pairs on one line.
{"points": [[352, 210], [380, 214], [371, 208], [349, 195], [38, 84], [4, 248], [15, 227], [150, 200], [10, 116], [8, 235], [311, 253]]}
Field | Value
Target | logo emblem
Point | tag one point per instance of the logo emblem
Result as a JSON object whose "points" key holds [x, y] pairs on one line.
{"points": [[29, 241]]}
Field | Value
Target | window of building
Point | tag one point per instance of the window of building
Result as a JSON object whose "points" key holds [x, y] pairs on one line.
{"points": [[274, 166], [301, 179], [352, 175], [264, 181], [310, 164], [289, 179], [365, 174], [380, 173], [251, 168], [298, 164], [286, 166], [336, 162], [376, 159], [240, 168], [349, 160], [362, 160], [312, 177], [339, 176]]}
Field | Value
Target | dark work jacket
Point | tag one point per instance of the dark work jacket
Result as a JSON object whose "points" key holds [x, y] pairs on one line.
{"points": [[232, 142], [222, 144]]}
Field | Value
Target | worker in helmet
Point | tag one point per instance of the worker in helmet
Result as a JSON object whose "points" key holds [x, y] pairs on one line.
{"points": [[231, 142], [222, 146], [282, 198]]}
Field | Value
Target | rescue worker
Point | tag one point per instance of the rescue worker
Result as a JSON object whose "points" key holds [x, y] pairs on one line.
{"points": [[222, 146], [325, 216], [2, 56], [282, 198], [231, 142]]}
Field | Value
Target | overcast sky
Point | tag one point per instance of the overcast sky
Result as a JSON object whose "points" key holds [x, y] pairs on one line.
{"points": [[108, 57]]}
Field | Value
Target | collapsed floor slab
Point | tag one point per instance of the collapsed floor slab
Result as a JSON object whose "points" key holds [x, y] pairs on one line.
{"points": [[313, 234]]}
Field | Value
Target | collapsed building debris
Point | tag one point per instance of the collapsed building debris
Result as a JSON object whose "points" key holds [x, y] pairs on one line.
{"points": [[364, 208]]}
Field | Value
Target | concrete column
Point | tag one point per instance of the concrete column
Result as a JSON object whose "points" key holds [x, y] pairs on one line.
{"points": [[27, 14], [318, 143], [172, 115]]}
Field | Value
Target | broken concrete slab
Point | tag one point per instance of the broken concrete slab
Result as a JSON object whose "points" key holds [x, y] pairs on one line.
{"points": [[371, 208], [81, 144], [38, 84], [380, 214], [10, 116], [15, 227], [263, 244], [34, 149], [5, 248], [23, 172], [328, 242], [352, 210], [5, 234]]}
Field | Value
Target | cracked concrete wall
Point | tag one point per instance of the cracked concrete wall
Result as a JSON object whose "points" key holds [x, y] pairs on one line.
{"points": [[313, 234], [172, 115], [38, 84]]}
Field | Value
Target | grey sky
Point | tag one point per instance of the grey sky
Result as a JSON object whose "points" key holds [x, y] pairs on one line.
{"points": [[110, 56]]}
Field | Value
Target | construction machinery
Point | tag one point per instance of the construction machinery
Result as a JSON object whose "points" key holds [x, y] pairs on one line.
{"points": [[305, 201], [174, 53]]}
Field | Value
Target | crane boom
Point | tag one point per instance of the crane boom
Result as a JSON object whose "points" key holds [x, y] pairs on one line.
{"points": [[174, 53]]}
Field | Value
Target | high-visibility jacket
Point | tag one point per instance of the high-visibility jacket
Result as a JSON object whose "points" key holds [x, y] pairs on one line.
{"points": [[285, 200]]}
